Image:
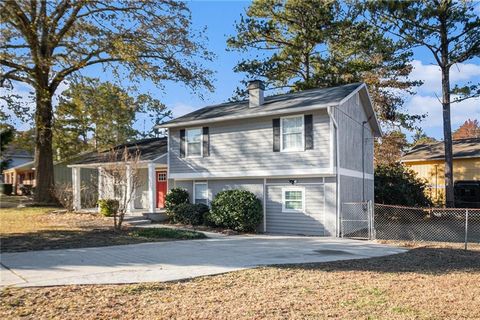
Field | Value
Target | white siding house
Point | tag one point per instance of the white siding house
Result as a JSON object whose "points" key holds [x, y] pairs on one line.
{"points": [[303, 154]]}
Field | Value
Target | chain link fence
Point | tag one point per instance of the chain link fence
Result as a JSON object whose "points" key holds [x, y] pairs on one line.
{"points": [[387, 222], [357, 220], [427, 224]]}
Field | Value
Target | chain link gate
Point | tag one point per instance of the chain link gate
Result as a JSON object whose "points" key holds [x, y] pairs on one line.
{"points": [[357, 221]]}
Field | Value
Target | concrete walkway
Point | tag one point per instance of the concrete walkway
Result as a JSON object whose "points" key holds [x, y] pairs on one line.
{"points": [[164, 261]]}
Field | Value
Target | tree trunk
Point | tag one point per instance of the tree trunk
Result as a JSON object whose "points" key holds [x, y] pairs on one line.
{"points": [[43, 147], [447, 126], [447, 137]]}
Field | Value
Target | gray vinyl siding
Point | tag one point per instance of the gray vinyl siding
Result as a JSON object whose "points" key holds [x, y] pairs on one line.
{"points": [[330, 222], [186, 184], [351, 189], [311, 222], [349, 117], [63, 175], [247, 145], [253, 185]]}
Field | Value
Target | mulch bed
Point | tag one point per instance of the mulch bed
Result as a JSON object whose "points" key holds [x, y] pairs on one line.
{"points": [[425, 283]]}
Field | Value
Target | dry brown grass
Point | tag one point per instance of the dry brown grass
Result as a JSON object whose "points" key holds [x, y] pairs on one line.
{"points": [[424, 283], [24, 220], [27, 229]]}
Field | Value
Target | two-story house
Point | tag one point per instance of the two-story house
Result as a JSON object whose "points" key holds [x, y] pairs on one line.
{"points": [[303, 154]]}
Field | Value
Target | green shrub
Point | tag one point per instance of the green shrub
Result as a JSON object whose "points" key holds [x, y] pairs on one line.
{"points": [[108, 207], [203, 210], [186, 213], [6, 188], [239, 210], [398, 185], [175, 197]]}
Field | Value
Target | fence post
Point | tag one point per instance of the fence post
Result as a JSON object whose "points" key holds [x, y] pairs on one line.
{"points": [[372, 220], [466, 228], [341, 221]]}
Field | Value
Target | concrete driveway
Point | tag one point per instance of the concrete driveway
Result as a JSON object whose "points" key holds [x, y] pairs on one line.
{"points": [[165, 261]]}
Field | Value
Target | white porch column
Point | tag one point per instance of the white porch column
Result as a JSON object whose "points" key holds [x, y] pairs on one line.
{"points": [[152, 201], [130, 195], [101, 179], [76, 185]]}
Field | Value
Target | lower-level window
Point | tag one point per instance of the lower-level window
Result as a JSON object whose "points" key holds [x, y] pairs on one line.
{"points": [[293, 199], [201, 192]]}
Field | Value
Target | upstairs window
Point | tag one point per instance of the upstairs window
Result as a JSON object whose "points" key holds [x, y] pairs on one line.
{"points": [[194, 142], [292, 133]]}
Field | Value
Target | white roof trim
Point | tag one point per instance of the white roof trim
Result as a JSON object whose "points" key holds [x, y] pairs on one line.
{"points": [[159, 157], [254, 174], [102, 164]]}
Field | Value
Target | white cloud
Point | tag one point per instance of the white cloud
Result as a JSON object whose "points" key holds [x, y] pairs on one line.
{"points": [[431, 106], [430, 74], [426, 101]]}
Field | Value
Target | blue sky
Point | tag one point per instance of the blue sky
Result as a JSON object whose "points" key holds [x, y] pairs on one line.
{"points": [[219, 17]]}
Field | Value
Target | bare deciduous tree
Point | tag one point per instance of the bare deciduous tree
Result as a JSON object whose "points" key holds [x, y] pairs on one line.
{"points": [[120, 181]]}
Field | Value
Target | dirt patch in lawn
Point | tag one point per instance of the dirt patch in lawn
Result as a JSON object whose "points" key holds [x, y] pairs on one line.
{"points": [[28, 229], [424, 283]]}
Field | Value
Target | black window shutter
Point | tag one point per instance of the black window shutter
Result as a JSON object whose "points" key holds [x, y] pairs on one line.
{"points": [[276, 135], [206, 142], [308, 126], [182, 143]]}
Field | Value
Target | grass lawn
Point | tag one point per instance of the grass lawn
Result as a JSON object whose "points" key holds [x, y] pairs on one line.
{"points": [[25, 229], [424, 283], [13, 201]]}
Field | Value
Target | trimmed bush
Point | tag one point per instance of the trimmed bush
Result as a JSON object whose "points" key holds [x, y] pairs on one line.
{"points": [[108, 207], [238, 210], [203, 210], [6, 188], [175, 197], [188, 213]]}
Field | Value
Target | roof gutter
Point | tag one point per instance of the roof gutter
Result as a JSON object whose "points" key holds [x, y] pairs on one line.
{"points": [[103, 164]]}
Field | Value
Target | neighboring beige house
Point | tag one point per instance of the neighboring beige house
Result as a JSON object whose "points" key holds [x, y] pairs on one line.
{"points": [[427, 160], [22, 177]]}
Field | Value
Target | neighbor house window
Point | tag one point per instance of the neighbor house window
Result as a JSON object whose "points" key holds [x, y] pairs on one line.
{"points": [[194, 142], [293, 199], [201, 192], [292, 133]]}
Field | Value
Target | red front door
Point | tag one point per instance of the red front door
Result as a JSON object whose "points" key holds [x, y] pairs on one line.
{"points": [[161, 188]]}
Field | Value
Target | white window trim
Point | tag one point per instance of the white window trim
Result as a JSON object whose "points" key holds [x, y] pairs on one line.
{"points": [[302, 189], [302, 148], [201, 143], [194, 193]]}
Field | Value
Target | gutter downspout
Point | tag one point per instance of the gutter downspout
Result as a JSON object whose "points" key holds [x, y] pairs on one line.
{"points": [[363, 160], [337, 170]]}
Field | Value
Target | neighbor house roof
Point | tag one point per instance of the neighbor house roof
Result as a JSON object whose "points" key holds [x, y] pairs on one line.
{"points": [[278, 104], [24, 166], [147, 150], [462, 148]]}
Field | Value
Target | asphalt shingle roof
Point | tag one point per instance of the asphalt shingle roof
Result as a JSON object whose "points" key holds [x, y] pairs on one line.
{"points": [[148, 149], [306, 98], [462, 148]]}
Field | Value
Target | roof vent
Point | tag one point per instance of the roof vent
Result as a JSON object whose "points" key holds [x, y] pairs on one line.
{"points": [[255, 93]]}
